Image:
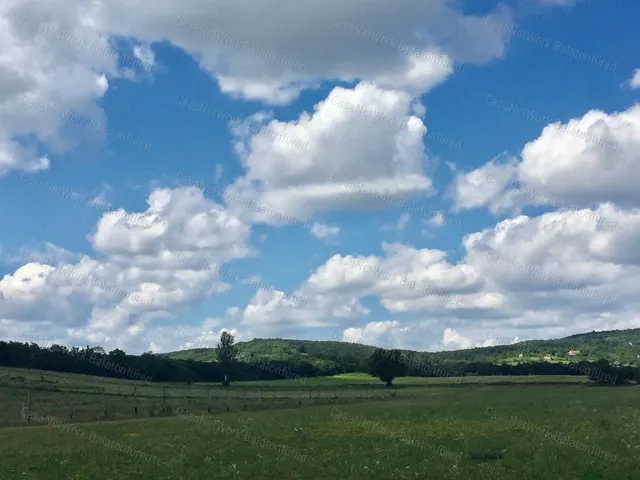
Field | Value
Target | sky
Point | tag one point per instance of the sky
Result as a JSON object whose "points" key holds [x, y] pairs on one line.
{"points": [[429, 175]]}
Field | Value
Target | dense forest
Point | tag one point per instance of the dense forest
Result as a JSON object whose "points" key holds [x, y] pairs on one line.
{"points": [[264, 359]]}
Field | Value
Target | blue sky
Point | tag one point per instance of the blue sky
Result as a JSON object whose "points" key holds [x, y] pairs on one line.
{"points": [[200, 162]]}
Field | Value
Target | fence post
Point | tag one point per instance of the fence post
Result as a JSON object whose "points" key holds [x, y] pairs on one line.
{"points": [[227, 399], [135, 399], [164, 397], [209, 400], [104, 400], [260, 396]]}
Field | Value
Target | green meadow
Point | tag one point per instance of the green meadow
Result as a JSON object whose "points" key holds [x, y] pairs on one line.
{"points": [[488, 427], [442, 433]]}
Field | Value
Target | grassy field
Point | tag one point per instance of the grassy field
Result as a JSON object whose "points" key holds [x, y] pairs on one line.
{"points": [[363, 379], [83, 398], [474, 431]]}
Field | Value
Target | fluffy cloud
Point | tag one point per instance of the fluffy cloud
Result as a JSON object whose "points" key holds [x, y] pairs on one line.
{"points": [[530, 277], [489, 185], [46, 73], [353, 157], [258, 51], [563, 260], [177, 221], [320, 230], [205, 334], [389, 333], [404, 280], [417, 336], [583, 162], [361, 147], [451, 338], [437, 220], [154, 263], [59, 56]]}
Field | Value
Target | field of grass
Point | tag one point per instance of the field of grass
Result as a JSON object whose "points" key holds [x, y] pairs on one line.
{"points": [[83, 398], [470, 432], [363, 379]]}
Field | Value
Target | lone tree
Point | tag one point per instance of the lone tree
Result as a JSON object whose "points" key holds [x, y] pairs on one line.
{"points": [[226, 356], [386, 365]]}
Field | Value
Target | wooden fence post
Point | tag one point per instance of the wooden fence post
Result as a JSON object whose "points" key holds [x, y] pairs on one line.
{"points": [[135, 399], [104, 400]]}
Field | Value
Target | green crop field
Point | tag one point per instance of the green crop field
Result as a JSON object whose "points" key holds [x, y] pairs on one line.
{"points": [[472, 431]]}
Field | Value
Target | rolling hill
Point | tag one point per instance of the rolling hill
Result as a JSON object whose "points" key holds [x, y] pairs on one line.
{"points": [[616, 346]]}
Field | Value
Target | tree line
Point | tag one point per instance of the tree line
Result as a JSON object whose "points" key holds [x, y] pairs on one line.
{"points": [[227, 367]]}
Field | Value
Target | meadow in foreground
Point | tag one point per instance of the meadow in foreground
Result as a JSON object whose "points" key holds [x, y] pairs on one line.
{"points": [[498, 432]]}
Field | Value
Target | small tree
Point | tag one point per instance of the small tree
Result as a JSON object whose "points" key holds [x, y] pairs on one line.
{"points": [[386, 365], [226, 356]]}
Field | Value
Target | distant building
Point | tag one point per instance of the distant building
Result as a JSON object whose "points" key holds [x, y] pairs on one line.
{"points": [[547, 358], [574, 352]]}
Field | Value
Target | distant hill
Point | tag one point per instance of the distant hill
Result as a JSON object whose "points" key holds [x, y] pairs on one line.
{"points": [[590, 354], [616, 346]]}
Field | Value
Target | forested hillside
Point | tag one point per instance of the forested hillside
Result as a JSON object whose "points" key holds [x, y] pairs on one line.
{"points": [[264, 359], [618, 346]]}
